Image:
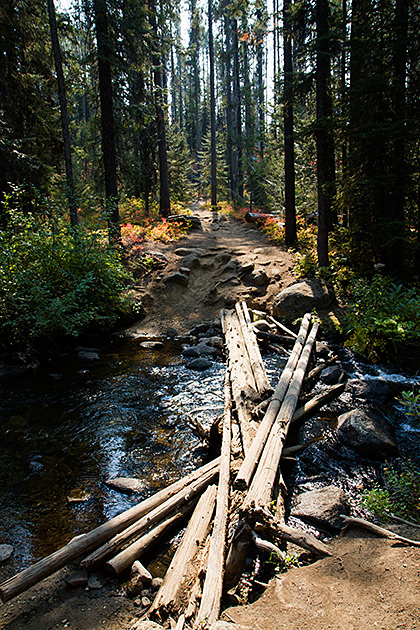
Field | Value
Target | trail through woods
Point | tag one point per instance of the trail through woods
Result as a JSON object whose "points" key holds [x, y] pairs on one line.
{"points": [[366, 583]]}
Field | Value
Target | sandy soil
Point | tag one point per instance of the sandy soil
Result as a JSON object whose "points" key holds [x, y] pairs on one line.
{"points": [[367, 583]]}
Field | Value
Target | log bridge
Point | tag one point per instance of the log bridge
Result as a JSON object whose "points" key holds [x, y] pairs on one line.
{"points": [[234, 501]]}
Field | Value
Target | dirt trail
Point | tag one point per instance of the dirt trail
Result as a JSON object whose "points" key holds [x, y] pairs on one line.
{"points": [[366, 584], [226, 259]]}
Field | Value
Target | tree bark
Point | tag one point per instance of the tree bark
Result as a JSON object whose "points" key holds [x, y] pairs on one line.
{"points": [[212, 112], [288, 127], [107, 119], [62, 99]]}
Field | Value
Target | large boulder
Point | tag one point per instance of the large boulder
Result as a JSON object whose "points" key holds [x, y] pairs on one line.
{"points": [[376, 389], [368, 433], [322, 507], [303, 297]]}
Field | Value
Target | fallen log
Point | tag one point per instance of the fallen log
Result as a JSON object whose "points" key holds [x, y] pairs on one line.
{"points": [[267, 546], [125, 558], [282, 326], [182, 573], [262, 521], [254, 355], [237, 555], [81, 545], [152, 518], [261, 488], [209, 609], [250, 462], [375, 529], [283, 340], [317, 402]]}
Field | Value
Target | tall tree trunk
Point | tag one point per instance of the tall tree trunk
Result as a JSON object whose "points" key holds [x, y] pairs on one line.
{"points": [[107, 118], [260, 82], [164, 196], [212, 112], [324, 137], [229, 109], [62, 99], [238, 115], [289, 150]]}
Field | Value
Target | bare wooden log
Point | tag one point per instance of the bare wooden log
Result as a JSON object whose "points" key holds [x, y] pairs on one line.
{"points": [[250, 462], [237, 554], [266, 545], [251, 345], [209, 609], [85, 543], [404, 521], [125, 558], [282, 340], [181, 574], [152, 518], [298, 448], [265, 523], [282, 326], [261, 488], [379, 531], [244, 389], [180, 623], [317, 402]]}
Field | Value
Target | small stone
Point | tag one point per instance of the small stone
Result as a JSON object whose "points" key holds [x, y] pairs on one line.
{"points": [[232, 265], [152, 345], [259, 278], [191, 352], [157, 583], [223, 258], [146, 592], [135, 586], [177, 278], [199, 364], [186, 251], [145, 602], [148, 625], [76, 578], [138, 568], [230, 301], [83, 355], [94, 583], [205, 350], [199, 330], [330, 375], [137, 602], [78, 496], [127, 485], [184, 270], [171, 332], [190, 261], [6, 552]]}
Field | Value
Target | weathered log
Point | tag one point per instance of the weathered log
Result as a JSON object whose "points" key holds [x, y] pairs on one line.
{"points": [[282, 340], [182, 572], [255, 217], [375, 529], [209, 609], [317, 402], [282, 326], [261, 488], [85, 543], [251, 345], [152, 518], [298, 448], [125, 558], [180, 623], [237, 555], [252, 456], [265, 523], [266, 545], [244, 389], [404, 521]]}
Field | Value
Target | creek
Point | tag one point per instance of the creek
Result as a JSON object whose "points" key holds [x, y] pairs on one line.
{"points": [[64, 433]]}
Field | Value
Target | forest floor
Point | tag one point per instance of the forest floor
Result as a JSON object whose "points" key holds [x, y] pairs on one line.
{"points": [[367, 583]]}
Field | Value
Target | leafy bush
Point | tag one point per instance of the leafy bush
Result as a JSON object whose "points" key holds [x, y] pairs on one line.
{"points": [[411, 401], [400, 496], [55, 280], [381, 312]]}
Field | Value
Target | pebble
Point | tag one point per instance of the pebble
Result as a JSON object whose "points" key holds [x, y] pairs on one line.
{"points": [[6, 552], [76, 578], [94, 582], [199, 364]]}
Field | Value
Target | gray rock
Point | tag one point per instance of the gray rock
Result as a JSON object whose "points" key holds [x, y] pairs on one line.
{"points": [[146, 624], [248, 268], [187, 220], [232, 265], [151, 345], [206, 350], [259, 278], [127, 485], [223, 258], [230, 301], [185, 271], [94, 583], [6, 552], [137, 568], [135, 585], [191, 352], [369, 433], [199, 330], [199, 364], [331, 375], [177, 278], [77, 495], [145, 602], [369, 389], [214, 342], [76, 578], [322, 507], [159, 256], [157, 583], [171, 332], [321, 349], [302, 297], [186, 251], [191, 261], [88, 357]]}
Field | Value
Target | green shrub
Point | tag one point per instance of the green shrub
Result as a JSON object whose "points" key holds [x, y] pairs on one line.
{"points": [[400, 496], [381, 312], [411, 401], [54, 280]]}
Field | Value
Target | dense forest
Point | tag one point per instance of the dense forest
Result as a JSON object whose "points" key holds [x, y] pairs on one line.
{"points": [[118, 110]]}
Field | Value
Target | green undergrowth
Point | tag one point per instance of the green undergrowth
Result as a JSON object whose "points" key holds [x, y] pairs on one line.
{"points": [[400, 494], [56, 281]]}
